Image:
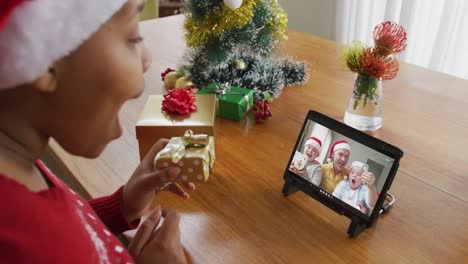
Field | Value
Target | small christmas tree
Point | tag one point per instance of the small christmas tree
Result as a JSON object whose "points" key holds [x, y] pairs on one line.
{"points": [[233, 41]]}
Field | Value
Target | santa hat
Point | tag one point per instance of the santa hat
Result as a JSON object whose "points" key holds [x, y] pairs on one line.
{"points": [[315, 142], [339, 144], [36, 33], [358, 164]]}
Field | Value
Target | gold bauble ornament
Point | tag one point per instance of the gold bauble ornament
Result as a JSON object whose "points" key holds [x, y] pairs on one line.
{"points": [[233, 4], [170, 80], [183, 82], [240, 64]]}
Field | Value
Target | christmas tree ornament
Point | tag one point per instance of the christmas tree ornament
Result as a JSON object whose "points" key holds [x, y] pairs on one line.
{"points": [[233, 4], [240, 64], [237, 46], [170, 80], [183, 82], [164, 73], [205, 20]]}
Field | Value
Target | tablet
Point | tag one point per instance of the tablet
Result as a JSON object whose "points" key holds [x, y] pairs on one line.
{"points": [[343, 168]]}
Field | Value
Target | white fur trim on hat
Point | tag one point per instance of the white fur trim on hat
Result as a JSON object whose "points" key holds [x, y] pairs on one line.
{"points": [[40, 32], [341, 146], [358, 164], [314, 143]]}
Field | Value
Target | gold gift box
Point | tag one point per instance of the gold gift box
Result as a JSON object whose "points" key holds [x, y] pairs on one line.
{"points": [[193, 154], [154, 123]]}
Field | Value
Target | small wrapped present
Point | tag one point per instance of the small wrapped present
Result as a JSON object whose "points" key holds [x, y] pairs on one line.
{"points": [[193, 154], [154, 124], [233, 102]]}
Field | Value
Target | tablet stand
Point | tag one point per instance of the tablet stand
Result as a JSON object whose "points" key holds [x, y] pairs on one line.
{"points": [[356, 226], [289, 187]]}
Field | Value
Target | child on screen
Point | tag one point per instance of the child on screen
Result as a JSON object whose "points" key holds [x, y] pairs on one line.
{"points": [[358, 189]]}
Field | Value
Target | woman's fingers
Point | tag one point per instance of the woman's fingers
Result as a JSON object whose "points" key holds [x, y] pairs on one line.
{"points": [[164, 179], [178, 190], [189, 185], [148, 160], [160, 178], [169, 230], [145, 232]]}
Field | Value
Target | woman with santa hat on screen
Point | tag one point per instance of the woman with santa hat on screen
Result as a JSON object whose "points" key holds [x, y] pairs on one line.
{"points": [[66, 69]]}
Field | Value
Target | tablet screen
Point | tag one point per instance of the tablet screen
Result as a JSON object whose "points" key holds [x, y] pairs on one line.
{"points": [[340, 167]]}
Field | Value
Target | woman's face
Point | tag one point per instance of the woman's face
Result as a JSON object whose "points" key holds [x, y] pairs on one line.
{"points": [[94, 82], [311, 153]]}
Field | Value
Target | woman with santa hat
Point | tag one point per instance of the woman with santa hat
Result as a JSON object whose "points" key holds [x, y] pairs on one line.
{"points": [[66, 69]]}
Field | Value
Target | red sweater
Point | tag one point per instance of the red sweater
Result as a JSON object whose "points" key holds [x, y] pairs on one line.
{"points": [[58, 226]]}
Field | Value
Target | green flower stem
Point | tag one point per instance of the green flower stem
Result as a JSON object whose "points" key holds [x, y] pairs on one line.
{"points": [[364, 85]]}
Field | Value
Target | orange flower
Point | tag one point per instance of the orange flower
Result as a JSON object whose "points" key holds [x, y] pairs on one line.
{"points": [[374, 65], [390, 38], [371, 64], [391, 68]]}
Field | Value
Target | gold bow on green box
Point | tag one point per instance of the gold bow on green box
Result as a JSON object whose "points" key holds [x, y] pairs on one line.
{"points": [[194, 154]]}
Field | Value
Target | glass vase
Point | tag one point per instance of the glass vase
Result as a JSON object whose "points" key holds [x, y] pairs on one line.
{"points": [[364, 111]]}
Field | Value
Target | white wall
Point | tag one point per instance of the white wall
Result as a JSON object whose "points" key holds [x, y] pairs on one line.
{"points": [[310, 16]]}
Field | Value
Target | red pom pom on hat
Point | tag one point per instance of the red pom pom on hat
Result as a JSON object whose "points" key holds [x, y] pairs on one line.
{"points": [[339, 144]]}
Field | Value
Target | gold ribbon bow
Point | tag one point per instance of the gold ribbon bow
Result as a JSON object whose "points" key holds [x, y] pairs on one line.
{"points": [[195, 140], [176, 147]]}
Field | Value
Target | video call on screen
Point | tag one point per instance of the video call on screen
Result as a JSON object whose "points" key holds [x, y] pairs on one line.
{"points": [[350, 171]]}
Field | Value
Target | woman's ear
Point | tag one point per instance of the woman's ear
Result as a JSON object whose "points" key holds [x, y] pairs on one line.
{"points": [[46, 83]]}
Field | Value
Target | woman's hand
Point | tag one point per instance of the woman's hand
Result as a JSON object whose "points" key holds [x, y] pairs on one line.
{"points": [[161, 245], [146, 181]]}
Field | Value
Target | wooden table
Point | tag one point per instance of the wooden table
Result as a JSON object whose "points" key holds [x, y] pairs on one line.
{"points": [[240, 216]]}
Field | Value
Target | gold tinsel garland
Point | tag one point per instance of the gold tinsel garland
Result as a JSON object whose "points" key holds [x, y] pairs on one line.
{"points": [[279, 21], [199, 33]]}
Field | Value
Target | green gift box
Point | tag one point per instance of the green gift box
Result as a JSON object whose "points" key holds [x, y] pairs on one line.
{"points": [[233, 102]]}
